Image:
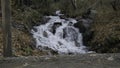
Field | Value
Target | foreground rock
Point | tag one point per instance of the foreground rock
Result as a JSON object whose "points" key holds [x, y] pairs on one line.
{"points": [[79, 61]]}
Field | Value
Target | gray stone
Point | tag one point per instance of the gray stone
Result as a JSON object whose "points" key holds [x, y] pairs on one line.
{"points": [[65, 61]]}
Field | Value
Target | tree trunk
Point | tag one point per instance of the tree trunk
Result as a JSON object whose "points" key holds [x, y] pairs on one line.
{"points": [[7, 49]]}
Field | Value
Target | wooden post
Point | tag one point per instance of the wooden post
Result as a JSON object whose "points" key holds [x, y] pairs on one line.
{"points": [[6, 24]]}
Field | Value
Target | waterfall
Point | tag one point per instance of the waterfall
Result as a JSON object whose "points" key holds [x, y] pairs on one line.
{"points": [[59, 35]]}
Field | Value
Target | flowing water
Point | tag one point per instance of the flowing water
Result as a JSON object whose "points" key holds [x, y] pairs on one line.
{"points": [[59, 35]]}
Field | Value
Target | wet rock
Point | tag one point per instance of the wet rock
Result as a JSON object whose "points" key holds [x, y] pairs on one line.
{"points": [[70, 33], [85, 21], [45, 34], [45, 19], [83, 24], [55, 25], [80, 26], [110, 58], [63, 17]]}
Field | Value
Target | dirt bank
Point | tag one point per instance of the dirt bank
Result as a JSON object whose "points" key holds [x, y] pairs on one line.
{"points": [[78, 61]]}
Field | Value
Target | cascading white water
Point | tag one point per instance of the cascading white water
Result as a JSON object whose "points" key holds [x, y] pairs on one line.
{"points": [[59, 35]]}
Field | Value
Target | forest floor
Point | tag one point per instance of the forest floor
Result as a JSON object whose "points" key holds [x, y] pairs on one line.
{"points": [[22, 43], [71, 61]]}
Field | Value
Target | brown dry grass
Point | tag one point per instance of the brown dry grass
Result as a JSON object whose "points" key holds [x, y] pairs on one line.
{"points": [[106, 36], [21, 44]]}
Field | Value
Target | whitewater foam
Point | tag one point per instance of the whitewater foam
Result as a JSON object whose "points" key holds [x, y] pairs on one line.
{"points": [[59, 35]]}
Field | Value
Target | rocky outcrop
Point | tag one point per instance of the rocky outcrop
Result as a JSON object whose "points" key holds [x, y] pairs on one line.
{"points": [[84, 25]]}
